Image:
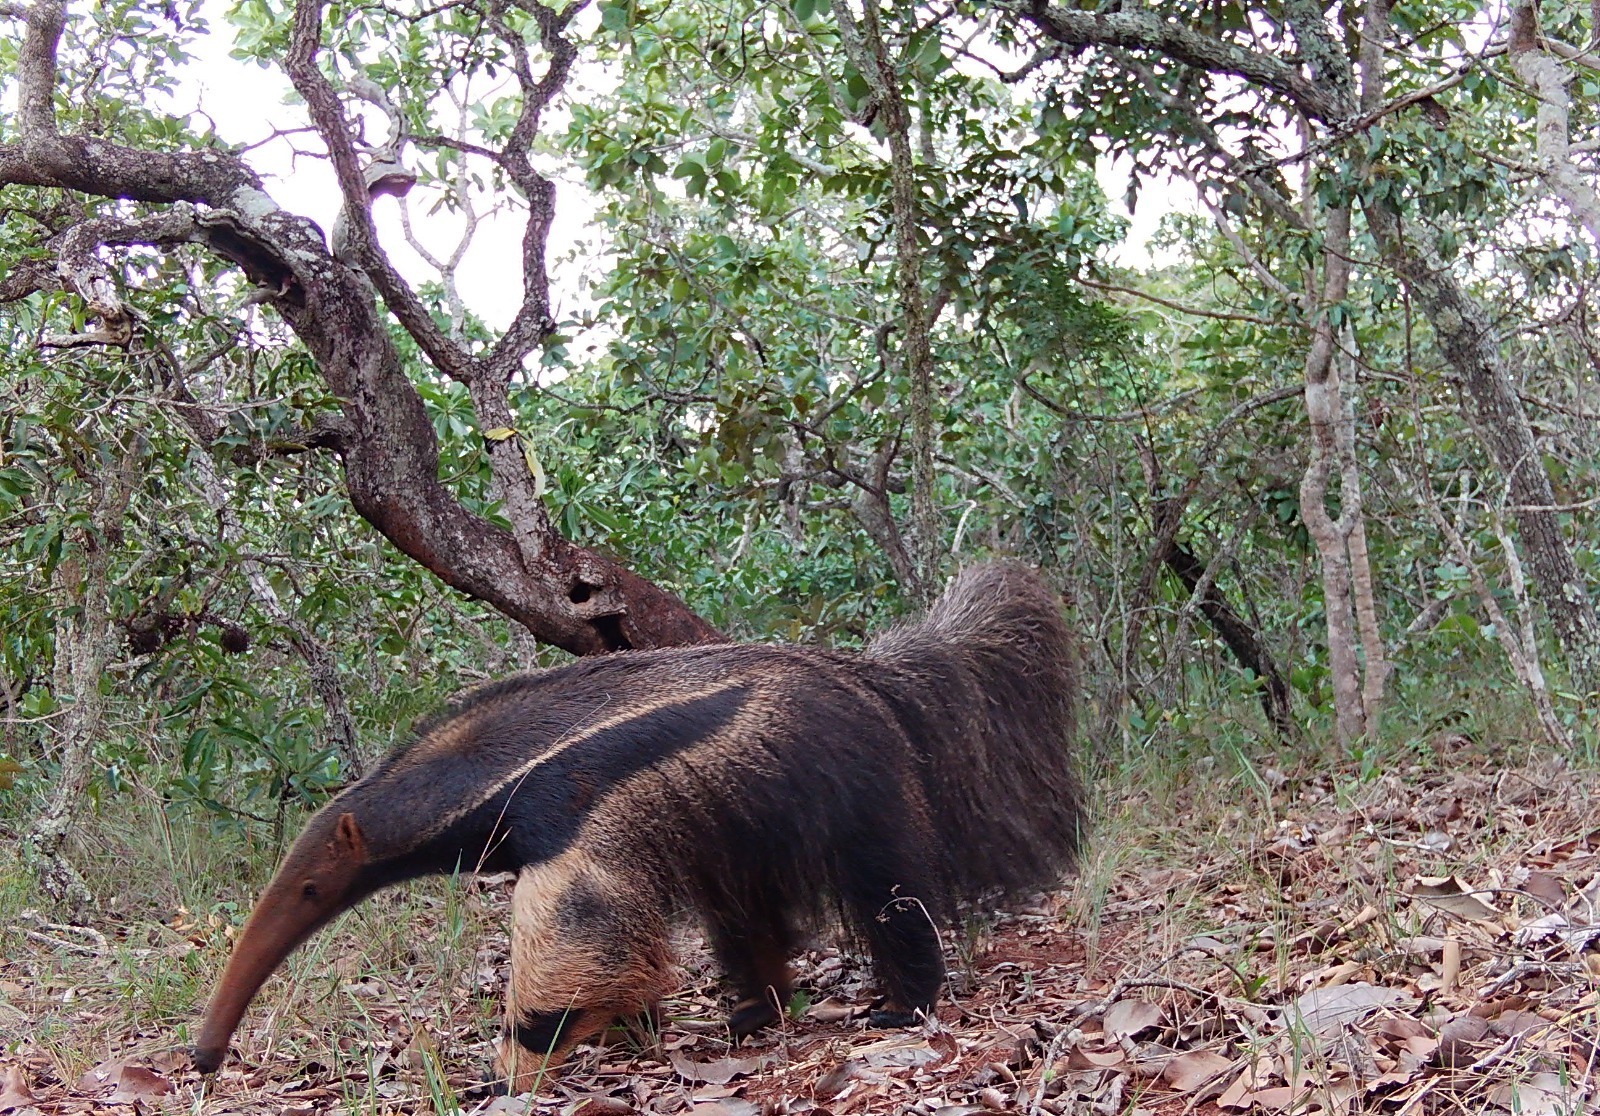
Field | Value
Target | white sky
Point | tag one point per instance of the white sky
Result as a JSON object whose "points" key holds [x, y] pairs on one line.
{"points": [[247, 103]]}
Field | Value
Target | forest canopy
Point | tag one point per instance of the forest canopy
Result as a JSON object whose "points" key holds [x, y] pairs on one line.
{"points": [[860, 313]]}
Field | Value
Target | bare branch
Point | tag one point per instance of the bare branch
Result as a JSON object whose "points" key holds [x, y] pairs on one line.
{"points": [[360, 236], [532, 322], [1172, 304], [1246, 253], [26, 277], [1147, 30]]}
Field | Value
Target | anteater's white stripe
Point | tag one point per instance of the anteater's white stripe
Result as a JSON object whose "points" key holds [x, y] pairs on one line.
{"points": [[570, 739]]}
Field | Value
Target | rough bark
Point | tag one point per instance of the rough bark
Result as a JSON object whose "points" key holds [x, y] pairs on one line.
{"points": [[1150, 31], [564, 594], [86, 639], [867, 50]]}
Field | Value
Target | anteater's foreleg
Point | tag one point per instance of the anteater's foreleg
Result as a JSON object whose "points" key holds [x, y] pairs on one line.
{"points": [[588, 944], [754, 946]]}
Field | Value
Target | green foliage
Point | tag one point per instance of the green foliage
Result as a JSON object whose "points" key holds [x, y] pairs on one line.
{"points": [[724, 427]]}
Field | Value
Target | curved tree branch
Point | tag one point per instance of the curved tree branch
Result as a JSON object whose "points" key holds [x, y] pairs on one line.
{"points": [[564, 594], [1147, 30]]}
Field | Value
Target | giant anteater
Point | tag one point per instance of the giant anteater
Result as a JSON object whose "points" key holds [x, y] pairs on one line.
{"points": [[757, 787]]}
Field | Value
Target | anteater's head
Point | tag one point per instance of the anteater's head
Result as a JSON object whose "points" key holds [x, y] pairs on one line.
{"points": [[322, 876]]}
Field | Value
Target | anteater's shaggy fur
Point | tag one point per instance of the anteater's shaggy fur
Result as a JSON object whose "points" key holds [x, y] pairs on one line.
{"points": [[758, 787]]}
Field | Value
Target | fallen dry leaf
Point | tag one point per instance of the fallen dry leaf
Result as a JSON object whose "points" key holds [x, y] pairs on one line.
{"points": [[900, 1053], [1189, 1071], [832, 1083], [137, 1083], [103, 1075], [1323, 1009], [1129, 1017], [717, 1072], [1080, 1059], [731, 1106], [1543, 1094], [831, 1010], [1545, 887], [1450, 895], [16, 1092], [1461, 1039]]}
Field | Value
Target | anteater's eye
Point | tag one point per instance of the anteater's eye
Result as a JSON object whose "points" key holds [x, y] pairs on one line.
{"points": [[309, 889]]}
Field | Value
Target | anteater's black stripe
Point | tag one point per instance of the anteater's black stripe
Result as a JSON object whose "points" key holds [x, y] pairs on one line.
{"points": [[540, 1031], [542, 813]]}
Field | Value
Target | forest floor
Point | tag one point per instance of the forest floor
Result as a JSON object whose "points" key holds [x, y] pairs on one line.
{"points": [[1246, 942]]}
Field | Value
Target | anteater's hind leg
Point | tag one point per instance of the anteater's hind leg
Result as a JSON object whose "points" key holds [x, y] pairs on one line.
{"points": [[883, 891], [754, 947]]}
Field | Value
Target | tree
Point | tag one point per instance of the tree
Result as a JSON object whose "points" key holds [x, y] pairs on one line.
{"points": [[1340, 81], [329, 295]]}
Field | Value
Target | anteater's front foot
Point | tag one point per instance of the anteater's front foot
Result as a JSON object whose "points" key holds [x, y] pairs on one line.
{"points": [[889, 1015], [749, 1016], [207, 1061], [490, 1084]]}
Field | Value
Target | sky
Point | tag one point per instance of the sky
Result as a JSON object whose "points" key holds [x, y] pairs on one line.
{"points": [[247, 103]]}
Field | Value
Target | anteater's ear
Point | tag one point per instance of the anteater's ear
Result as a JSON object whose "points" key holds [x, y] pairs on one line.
{"points": [[347, 837]]}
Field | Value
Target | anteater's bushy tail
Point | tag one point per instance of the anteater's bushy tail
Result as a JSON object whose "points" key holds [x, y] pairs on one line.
{"points": [[986, 687]]}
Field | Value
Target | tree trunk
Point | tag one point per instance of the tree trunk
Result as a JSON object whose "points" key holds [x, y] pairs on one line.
{"points": [[86, 637], [1467, 338], [1332, 446], [865, 46]]}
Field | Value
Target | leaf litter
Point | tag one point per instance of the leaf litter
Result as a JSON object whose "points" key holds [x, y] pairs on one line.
{"points": [[1420, 945]]}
